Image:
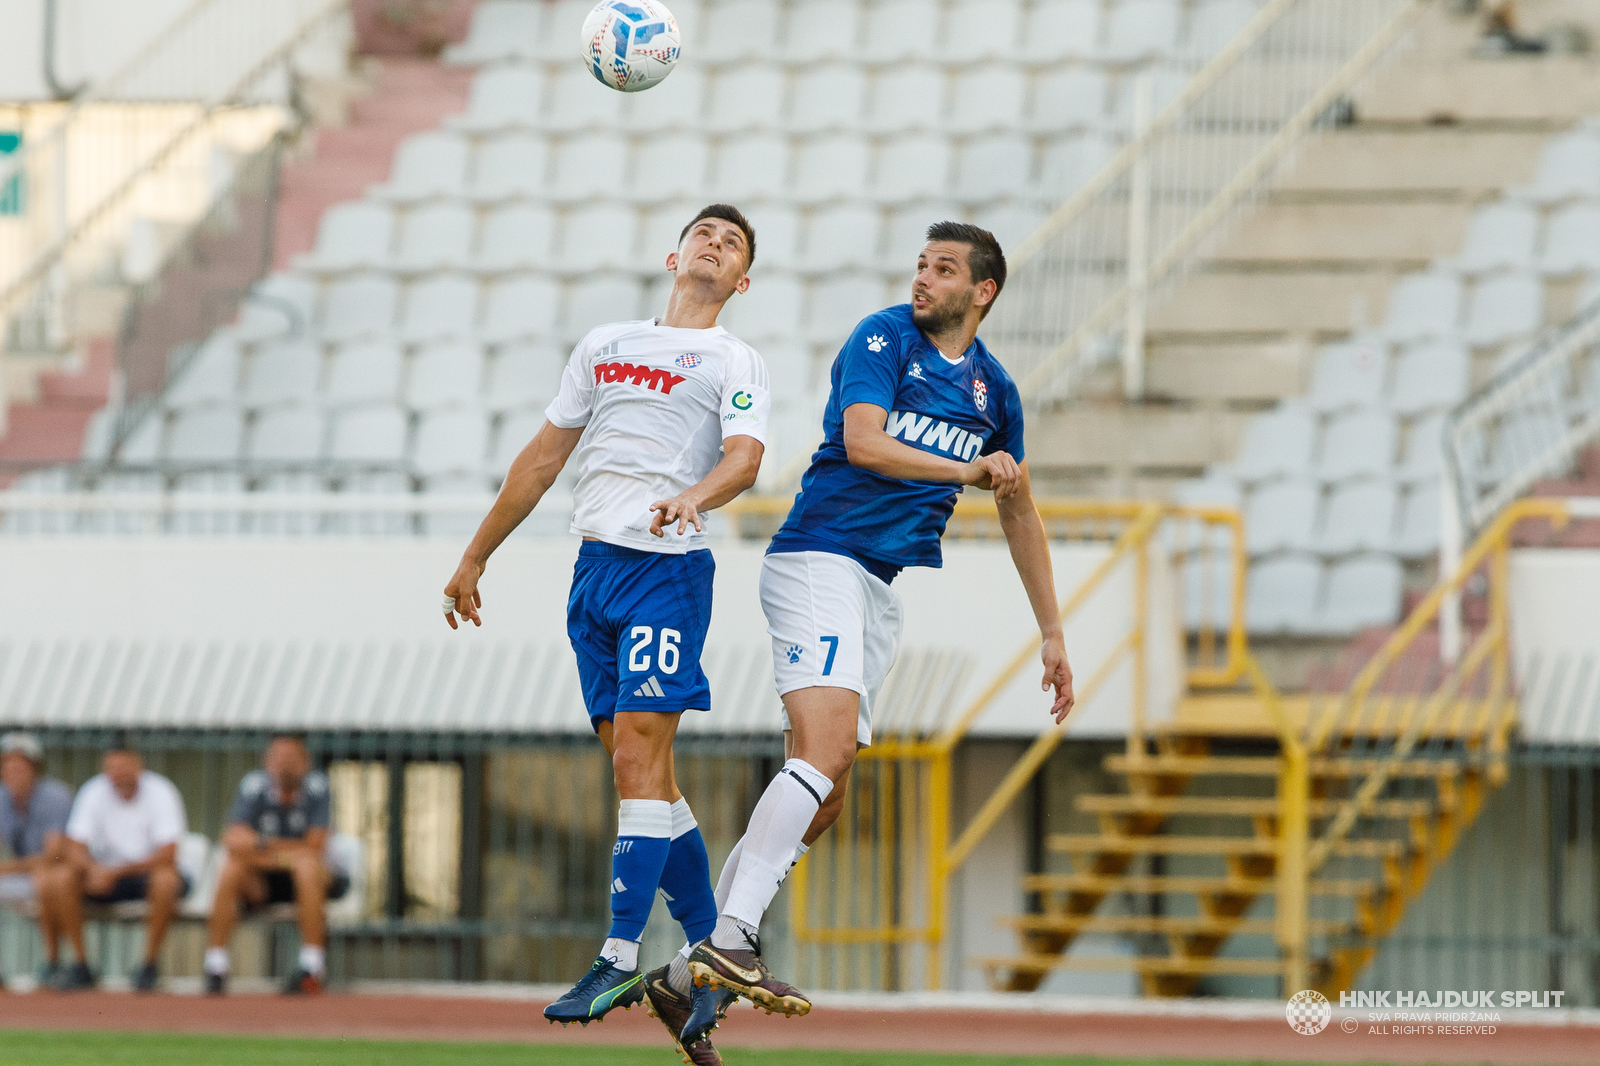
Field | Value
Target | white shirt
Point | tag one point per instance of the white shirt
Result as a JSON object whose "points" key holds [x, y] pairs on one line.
{"points": [[656, 403], [118, 831]]}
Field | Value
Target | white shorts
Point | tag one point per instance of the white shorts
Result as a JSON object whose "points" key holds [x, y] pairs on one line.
{"points": [[16, 888], [833, 625]]}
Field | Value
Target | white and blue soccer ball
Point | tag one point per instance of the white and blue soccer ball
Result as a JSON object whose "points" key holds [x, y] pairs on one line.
{"points": [[630, 44]]}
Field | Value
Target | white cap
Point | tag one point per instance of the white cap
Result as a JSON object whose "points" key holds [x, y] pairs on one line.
{"points": [[22, 744]]}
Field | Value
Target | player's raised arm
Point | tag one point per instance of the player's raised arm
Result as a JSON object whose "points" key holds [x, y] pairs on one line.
{"points": [[745, 411], [871, 448], [1030, 552]]}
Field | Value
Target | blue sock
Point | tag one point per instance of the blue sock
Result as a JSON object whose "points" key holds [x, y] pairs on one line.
{"points": [[686, 880], [644, 835]]}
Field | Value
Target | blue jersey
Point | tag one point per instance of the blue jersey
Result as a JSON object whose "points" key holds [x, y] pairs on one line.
{"points": [[958, 410]]}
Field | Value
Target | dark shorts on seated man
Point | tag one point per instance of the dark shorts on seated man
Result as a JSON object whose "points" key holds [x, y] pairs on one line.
{"points": [[133, 888], [280, 887]]}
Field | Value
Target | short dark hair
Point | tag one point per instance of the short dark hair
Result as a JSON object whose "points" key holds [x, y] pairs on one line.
{"points": [[292, 737], [984, 258], [727, 213], [120, 742]]}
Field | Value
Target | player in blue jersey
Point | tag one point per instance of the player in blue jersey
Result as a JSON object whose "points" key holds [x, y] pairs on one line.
{"points": [[919, 410]]}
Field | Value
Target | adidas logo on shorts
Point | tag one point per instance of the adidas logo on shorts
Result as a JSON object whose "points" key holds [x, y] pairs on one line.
{"points": [[651, 687]]}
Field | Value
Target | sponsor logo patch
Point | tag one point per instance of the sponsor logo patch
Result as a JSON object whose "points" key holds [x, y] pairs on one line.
{"points": [[933, 435], [661, 381]]}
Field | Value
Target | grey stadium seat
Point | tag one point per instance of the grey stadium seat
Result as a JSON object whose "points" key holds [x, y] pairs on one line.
{"points": [[520, 307], [1430, 376], [901, 29], [598, 300], [369, 435], [503, 98], [436, 235], [211, 376], [451, 442], [828, 97], [500, 29], [678, 102], [1424, 453], [560, 29], [515, 431], [909, 98], [1216, 22], [1282, 515], [352, 235], [1504, 308], [361, 306], [206, 435], [747, 97], [1282, 594], [982, 29], [1420, 521], [842, 235], [1277, 442], [282, 304], [1423, 306], [821, 29], [363, 373], [738, 29], [520, 235], [1069, 100], [446, 375], [288, 435], [912, 167], [771, 309], [1061, 29], [440, 306], [1349, 374], [987, 97], [669, 166], [751, 167], [1361, 592], [1142, 29], [1357, 444], [525, 374], [830, 166], [579, 102], [589, 167], [994, 165], [1572, 240], [1501, 235], [1071, 161], [426, 164], [598, 236], [283, 372], [839, 302], [510, 166], [1361, 517], [1569, 168]]}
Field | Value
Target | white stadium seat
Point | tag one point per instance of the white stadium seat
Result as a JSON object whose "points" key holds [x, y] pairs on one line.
{"points": [[364, 373], [1361, 592], [504, 98], [1424, 454], [369, 435], [746, 97], [821, 29], [1420, 522], [1422, 306], [500, 29], [283, 372], [1277, 442], [521, 235], [142, 446], [670, 165], [1216, 22], [599, 300], [1214, 490], [1349, 374], [510, 166], [1142, 29], [426, 164], [98, 437], [1070, 99], [519, 308], [1569, 168], [788, 368], [352, 235], [982, 29], [994, 165], [912, 167], [446, 375], [436, 235], [845, 235], [281, 304], [211, 376], [598, 236], [839, 302], [659, 230], [1505, 308], [1501, 235], [678, 102], [206, 435], [907, 232], [360, 306], [777, 235], [578, 101], [288, 435], [827, 97], [451, 442], [1572, 240], [1282, 515], [525, 374], [1069, 162], [829, 167], [1431, 376], [560, 29], [590, 166], [902, 29], [1061, 29], [1357, 444], [440, 306], [737, 29], [908, 98], [751, 167], [515, 431], [1011, 224], [1282, 594], [987, 97], [771, 309], [1361, 517]]}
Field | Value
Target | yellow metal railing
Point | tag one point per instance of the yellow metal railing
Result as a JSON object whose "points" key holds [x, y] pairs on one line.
{"points": [[873, 892]]}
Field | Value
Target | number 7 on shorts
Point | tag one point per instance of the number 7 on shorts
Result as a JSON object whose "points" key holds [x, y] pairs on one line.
{"points": [[833, 649]]}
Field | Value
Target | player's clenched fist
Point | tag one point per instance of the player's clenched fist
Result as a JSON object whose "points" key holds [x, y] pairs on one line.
{"points": [[997, 471], [461, 595]]}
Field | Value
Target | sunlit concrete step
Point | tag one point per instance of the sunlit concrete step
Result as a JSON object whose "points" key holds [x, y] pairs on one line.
{"points": [[1165, 924], [1201, 886], [1264, 847], [1270, 766], [1234, 807]]}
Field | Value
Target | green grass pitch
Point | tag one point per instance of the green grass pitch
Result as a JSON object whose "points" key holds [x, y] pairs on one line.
{"points": [[25, 1048]]}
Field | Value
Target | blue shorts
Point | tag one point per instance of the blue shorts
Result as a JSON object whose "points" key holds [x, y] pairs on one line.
{"points": [[638, 622]]}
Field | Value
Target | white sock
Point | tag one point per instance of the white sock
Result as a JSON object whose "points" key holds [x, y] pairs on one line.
{"points": [[312, 959], [625, 953], [731, 934], [217, 962], [725, 879], [678, 977], [777, 826], [682, 818]]}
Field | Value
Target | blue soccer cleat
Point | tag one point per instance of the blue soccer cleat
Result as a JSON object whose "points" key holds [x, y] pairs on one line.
{"points": [[708, 1006], [603, 989]]}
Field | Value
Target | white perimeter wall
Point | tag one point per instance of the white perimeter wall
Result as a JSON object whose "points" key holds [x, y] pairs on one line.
{"points": [[1555, 637]]}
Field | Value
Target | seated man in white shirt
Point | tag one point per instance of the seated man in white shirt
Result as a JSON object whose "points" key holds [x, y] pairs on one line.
{"points": [[122, 841]]}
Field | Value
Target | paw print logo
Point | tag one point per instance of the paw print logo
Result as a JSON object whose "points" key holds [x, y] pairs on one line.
{"points": [[794, 651], [876, 342]]}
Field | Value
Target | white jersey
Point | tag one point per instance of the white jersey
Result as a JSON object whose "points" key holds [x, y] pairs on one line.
{"points": [[656, 403]]}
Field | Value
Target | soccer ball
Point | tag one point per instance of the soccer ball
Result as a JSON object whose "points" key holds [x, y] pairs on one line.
{"points": [[630, 44]]}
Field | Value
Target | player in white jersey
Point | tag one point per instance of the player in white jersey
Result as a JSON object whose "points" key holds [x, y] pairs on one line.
{"points": [[668, 418]]}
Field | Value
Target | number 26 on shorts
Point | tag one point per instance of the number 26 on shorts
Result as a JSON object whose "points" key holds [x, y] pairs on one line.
{"points": [[667, 655], [833, 649]]}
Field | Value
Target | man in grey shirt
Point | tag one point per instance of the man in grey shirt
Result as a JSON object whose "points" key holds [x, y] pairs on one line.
{"points": [[33, 817]]}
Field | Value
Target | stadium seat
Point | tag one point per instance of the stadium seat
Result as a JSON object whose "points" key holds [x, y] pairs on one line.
{"points": [[901, 29], [510, 166], [1061, 29], [1424, 454], [503, 98], [360, 306], [1349, 374], [451, 442], [994, 165], [658, 234], [288, 435], [828, 97], [1360, 517], [821, 29], [426, 164], [752, 167], [1572, 241], [912, 167], [578, 102], [830, 166], [559, 31], [1357, 444], [777, 236], [1501, 235], [598, 236], [446, 375], [1423, 306], [1069, 162], [840, 301], [1282, 594], [1207, 588], [1569, 168], [599, 300], [519, 308], [843, 235], [1430, 376], [1216, 22], [1361, 592], [521, 235], [670, 165], [98, 437], [788, 368], [987, 97], [771, 309], [1505, 308], [1282, 515], [1277, 442], [500, 29], [280, 304], [982, 29], [457, 522], [1142, 29], [143, 444], [210, 377], [907, 232], [1010, 223], [678, 102], [352, 235], [1069, 100], [283, 372], [590, 166], [746, 97], [738, 29], [440, 306], [516, 430], [1216, 489], [1420, 522], [206, 435], [364, 373], [908, 98], [369, 435], [525, 374], [436, 235]]}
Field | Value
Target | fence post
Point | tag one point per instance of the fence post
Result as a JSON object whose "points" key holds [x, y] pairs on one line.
{"points": [[1133, 331], [1293, 871]]}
